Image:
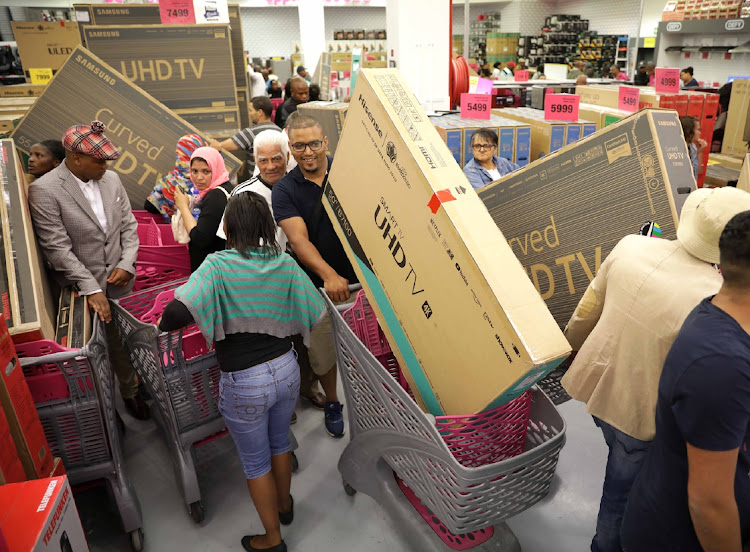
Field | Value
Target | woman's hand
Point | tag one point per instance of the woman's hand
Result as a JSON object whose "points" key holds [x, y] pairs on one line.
{"points": [[700, 145], [181, 199]]}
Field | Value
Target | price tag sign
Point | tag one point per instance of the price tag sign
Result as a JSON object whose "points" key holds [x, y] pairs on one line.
{"points": [[40, 76], [521, 75], [476, 106], [473, 81], [484, 86], [629, 99], [177, 12], [561, 107], [667, 81]]}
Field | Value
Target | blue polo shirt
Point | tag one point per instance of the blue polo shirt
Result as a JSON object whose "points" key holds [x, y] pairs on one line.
{"points": [[296, 196]]}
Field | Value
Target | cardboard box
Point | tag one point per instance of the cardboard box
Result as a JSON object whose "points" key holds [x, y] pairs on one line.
{"points": [[44, 45], [737, 120], [21, 90], [73, 328], [11, 469], [322, 75], [25, 301], [212, 121], [726, 160], [609, 96], [744, 181], [143, 129], [182, 66], [602, 116], [238, 47], [243, 99], [331, 116], [563, 214], [445, 286], [41, 516], [546, 136], [19, 408]]}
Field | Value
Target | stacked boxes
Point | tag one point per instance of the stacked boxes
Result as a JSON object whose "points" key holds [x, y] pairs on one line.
{"points": [[738, 120], [331, 116], [466, 325], [602, 116], [547, 136], [678, 10], [44, 45], [513, 136], [502, 47], [563, 214]]}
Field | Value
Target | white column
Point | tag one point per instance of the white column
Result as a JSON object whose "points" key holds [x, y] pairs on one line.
{"points": [[312, 31], [419, 43]]}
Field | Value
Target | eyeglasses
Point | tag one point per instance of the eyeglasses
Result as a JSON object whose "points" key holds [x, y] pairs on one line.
{"points": [[315, 145], [483, 147]]}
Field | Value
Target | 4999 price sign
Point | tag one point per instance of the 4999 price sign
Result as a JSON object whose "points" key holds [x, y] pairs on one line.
{"points": [[561, 107], [666, 80], [476, 106]]}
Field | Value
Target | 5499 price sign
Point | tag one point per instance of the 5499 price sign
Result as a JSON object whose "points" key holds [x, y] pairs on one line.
{"points": [[561, 107], [629, 98], [476, 106]]}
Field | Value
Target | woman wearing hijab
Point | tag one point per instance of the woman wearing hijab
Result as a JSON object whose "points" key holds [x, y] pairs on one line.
{"points": [[161, 200], [211, 179]]}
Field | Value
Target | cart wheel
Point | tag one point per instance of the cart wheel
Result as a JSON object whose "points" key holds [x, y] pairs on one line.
{"points": [[295, 463], [348, 489], [197, 512], [136, 540]]}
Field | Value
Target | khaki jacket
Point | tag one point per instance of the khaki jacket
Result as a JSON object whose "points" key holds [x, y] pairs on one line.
{"points": [[625, 324]]}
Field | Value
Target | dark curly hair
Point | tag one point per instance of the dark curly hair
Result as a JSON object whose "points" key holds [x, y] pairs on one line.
{"points": [[734, 250]]}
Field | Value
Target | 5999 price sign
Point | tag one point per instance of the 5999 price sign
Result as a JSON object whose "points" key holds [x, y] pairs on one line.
{"points": [[476, 106], [561, 107]]}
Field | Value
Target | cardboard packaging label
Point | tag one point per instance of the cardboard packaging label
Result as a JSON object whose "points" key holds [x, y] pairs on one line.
{"points": [[44, 45], [214, 122], [21, 91], [331, 116], [41, 516], [466, 324], [143, 129], [182, 66], [563, 214]]}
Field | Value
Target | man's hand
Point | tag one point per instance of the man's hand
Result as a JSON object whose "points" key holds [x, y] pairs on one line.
{"points": [[213, 143], [119, 277], [337, 288], [100, 304]]}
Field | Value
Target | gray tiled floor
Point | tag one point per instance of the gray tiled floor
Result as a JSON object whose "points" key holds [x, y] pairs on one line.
{"points": [[325, 517]]}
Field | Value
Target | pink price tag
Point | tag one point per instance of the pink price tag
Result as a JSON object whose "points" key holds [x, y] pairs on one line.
{"points": [[561, 107], [177, 12], [629, 98], [667, 81], [476, 106], [484, 86], [521, 76]]}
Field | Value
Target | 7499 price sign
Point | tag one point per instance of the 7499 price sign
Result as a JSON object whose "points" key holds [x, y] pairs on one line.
{"points": [[178, 12]]}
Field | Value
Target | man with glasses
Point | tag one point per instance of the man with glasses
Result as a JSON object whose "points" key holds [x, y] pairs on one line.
{"points": [[298, 209], [486, 167]]}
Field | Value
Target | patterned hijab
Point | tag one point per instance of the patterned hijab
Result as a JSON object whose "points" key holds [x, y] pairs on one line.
{"points": [[162, 197]]}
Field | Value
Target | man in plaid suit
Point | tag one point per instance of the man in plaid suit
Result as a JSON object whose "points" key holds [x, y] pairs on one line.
{"points": [[88, 234]]}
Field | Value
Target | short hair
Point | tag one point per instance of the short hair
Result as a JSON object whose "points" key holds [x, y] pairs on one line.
{"points": [[688, 127], [496, 64], [262, 103], [250, 225], [734, 251], [297, 80], [270, 137], [55, 148], [303, 122], [582, 79], [485, 133]]}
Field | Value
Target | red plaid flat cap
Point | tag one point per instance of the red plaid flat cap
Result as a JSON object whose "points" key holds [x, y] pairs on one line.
{"points": [[90, 140]]}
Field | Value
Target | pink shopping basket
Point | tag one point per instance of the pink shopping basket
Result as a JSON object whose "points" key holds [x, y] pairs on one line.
{"points": [[146, 216], [160, 258], [46, 382]]}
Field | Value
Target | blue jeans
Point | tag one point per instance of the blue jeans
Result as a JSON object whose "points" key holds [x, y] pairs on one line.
{"points": [[257, 405], [626, 456]]}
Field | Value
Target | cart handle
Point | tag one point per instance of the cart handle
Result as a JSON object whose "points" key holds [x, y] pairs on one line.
{"points": [[56, 357]]}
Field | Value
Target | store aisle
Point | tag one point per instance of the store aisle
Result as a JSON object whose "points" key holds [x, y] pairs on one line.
{"points": [[325, 517]]}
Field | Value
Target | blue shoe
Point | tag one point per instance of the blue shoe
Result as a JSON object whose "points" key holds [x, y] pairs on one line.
{"points": [[334, 419]]}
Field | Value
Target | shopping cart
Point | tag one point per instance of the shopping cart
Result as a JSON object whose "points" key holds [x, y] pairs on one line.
{"points": [[182, 376], [160, 258], [147, 216], [74, 394], [407, 460]]}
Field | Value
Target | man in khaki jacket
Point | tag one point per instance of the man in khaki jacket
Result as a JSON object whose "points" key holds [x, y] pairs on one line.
{"points": [[623, 328]]}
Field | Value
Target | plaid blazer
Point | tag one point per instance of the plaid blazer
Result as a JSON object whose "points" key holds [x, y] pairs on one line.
{"points": [[71, 238]]}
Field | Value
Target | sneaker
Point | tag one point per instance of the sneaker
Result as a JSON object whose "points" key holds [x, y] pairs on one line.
{"points": [[334, 419], [294, 418]]}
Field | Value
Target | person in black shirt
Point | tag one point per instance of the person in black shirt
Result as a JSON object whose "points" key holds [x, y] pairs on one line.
{"points": [[299, 93], [211, 179], [693, 492], [298, 209]]}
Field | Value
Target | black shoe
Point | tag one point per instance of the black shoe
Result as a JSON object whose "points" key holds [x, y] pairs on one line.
{"points": [[281, 547], [138, 408], [286, 518]]}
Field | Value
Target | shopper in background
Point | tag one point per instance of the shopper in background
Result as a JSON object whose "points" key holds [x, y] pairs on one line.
{"points": [[45, 156], [497, 70], [260, 110], [271, 77], [302, 72], [615, 73], [88, 234], [686, 76], [623, 328], [539, 73], [257, 82], [641, 76], [578, 67], [485, 73], [211, 179], [691, 129], [508, 69], [273, 89], [299, 94], [693, 492], [161, 199], [486, 166], [298, 209], [582, 80], [725, 93], [651, 72], [251, 326], [314, 93]]}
